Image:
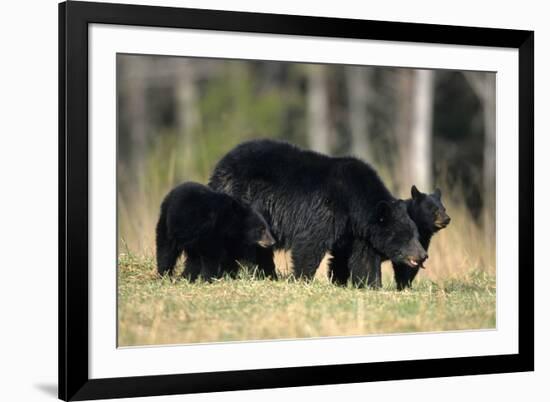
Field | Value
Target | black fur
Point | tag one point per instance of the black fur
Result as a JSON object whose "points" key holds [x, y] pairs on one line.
{"points": [[429, 214], [213, 229], [315, 203]]}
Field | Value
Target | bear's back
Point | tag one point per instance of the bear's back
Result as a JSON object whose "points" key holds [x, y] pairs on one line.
{"points": [[270, 162], [287, 167]]}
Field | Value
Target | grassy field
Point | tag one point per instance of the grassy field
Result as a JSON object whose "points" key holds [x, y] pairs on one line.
{"points": [[162, 311]]}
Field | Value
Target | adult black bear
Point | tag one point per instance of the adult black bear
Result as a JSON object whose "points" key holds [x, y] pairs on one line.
{"points": [[213, 229], [315, 203], [429, 214]]}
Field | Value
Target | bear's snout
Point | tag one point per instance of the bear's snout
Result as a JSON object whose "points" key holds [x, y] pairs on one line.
{"points": [[442, 220], [267, 239]]}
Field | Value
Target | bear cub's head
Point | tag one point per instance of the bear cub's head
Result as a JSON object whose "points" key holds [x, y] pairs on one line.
{"points": [[257, 230], [395, 235], [250, 226], [428, 211]]}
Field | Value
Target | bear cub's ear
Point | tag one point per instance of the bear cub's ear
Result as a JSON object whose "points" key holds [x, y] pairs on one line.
{"points": [[415, 193], [437, 193]]}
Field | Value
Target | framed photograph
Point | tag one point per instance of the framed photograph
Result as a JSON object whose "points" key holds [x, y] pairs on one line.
{"points": [[258, 200]]}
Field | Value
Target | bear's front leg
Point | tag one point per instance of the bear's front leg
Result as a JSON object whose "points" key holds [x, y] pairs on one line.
{"points": [[229, 266], [264, 260], [306, 257], [211, 267], [404, 275], [201, 264], [365, 265], [338, 265]]}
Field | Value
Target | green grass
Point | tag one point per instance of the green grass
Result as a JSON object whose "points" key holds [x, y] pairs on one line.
{"points": [[163, 311]]}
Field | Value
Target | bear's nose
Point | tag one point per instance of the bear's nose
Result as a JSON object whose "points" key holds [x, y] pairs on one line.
{"points": [[267, 240]]}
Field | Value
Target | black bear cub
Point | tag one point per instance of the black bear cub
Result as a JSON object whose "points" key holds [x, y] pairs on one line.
{"points": [[429, 214], [213, 229]]}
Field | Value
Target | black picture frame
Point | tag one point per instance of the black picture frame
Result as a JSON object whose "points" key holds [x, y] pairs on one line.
{"points": [[74, 381]]}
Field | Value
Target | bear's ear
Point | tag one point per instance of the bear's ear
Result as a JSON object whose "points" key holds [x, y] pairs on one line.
{"points": [[415, 194], [383, 211], [437, 193]]}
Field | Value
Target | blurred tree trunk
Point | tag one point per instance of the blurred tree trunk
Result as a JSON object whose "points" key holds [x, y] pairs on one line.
{"points": [[414, 129], [137, 112], [359, 89], [402, 174], [484, 86], [187, 116], [318, 109], [421, 133]]}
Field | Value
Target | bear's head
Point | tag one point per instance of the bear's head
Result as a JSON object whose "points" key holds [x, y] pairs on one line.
{"points": [[428, 211], [394, 235], [257, 230], [247, 226]]}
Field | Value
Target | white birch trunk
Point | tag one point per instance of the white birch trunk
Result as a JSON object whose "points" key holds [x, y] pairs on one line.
{"points": [[358, 83], [421, 132], [137, 111], [318, 109], [186, 108]]}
